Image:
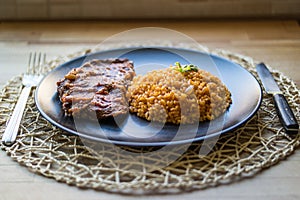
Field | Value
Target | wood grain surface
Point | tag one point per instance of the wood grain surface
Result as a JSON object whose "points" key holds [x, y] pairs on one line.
{"points": [[277, 43], [145, 9]]}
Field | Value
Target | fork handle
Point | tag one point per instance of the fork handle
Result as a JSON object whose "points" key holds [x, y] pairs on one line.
{"points": [[11, 131]]}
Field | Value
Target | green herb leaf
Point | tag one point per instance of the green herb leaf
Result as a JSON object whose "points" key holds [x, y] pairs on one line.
{"points": [[185, 68]]}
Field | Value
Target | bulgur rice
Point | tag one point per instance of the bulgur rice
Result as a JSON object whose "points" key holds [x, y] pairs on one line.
{"points": [[177, 96]]}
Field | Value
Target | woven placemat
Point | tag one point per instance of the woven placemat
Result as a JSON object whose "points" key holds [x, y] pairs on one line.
{"points": [[51, 152]]}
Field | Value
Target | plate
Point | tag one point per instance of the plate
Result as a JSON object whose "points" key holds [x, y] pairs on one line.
{"points": [[134, 131]]}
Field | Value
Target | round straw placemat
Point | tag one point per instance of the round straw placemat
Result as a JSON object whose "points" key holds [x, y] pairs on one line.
{"points": [[51, 152]]}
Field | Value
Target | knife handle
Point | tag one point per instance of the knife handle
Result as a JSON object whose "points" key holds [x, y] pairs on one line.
{"points": [[285, 114]]}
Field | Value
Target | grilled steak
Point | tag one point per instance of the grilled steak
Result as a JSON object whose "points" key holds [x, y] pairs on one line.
{"points": [[97, 86]]}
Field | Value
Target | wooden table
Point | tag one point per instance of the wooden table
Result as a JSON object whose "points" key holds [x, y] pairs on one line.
{"points": [[277, 43]]}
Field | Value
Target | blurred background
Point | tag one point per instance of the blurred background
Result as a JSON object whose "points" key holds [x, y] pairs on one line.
{"points": [[145, 9]]}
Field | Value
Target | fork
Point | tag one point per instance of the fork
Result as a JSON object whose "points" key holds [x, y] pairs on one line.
{"points": [[31, 78]]}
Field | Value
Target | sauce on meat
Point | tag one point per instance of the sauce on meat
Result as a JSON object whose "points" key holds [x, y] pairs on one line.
{"points": [[97, 86]]}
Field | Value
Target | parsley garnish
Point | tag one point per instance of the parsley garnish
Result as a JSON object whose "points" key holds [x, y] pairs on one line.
{"points": [[185, 68]]}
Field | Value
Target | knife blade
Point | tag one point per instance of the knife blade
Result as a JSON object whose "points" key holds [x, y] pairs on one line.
{"points": [[284, 112]]}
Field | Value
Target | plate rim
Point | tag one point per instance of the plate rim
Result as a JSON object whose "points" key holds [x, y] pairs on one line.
{"points": [[148, 144]]}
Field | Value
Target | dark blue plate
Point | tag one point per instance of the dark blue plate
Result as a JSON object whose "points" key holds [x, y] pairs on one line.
{"points": [[134, 131]]}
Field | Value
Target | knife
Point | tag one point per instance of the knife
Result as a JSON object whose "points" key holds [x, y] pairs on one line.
{"points": [[284, 112]]}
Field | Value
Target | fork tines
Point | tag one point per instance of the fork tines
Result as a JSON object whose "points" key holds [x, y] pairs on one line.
{"points": [[35, 63]]}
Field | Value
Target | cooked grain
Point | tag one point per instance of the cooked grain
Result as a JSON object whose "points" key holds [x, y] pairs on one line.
{"points": [[168, 95]]}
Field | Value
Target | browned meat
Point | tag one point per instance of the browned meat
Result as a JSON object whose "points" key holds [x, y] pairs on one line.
{"points": [[97, 86]]}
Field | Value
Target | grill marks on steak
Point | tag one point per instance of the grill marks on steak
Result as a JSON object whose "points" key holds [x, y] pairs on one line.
{"points": [[97, 86]]}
